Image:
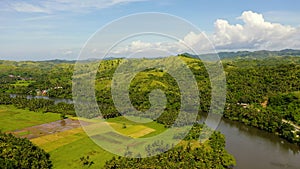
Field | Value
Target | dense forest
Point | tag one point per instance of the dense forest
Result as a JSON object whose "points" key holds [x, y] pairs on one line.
{"points": [[21, 153]]}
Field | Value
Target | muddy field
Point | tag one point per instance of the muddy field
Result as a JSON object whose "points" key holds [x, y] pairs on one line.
{"points": [[49, 128]]}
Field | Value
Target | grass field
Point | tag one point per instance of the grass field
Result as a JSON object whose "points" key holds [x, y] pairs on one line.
{"points": [[132, 130], [68, 156], [54, 141], [67, 147], [157, 128], [12, 118], [23, 83]]}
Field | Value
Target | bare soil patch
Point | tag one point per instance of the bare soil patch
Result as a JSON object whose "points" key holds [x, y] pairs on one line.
{"points": [[49, 128]]}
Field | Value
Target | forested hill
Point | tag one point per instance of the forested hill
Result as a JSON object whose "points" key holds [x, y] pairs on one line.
{"points": [[259, 54], [262, 92], [262, 54]]}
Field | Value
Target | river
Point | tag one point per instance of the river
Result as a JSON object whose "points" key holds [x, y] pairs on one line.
{"points": [[56, 100], [257, 149]]}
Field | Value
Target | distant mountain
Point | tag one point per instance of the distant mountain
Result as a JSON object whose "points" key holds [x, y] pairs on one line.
{"points": [[251, 55], [260, 54], [57, 61]]}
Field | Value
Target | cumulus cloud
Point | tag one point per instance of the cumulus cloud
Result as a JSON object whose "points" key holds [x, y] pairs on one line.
{"points": [[199, 42], [188, 43], [139, 45], [254, 33]]}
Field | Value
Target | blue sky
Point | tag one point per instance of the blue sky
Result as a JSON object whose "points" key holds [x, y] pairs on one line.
{"points": [[57, 29]]}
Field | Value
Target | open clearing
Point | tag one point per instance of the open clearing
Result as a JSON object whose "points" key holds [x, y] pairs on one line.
{"points": [[66, 147], [53, 141], [132, 130], [65, 140], [12, 118], [158, 128], [68, 156], [49, 128]]}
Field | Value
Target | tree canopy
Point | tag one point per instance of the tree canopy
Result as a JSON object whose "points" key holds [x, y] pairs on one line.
{"points": [[21, 153]]}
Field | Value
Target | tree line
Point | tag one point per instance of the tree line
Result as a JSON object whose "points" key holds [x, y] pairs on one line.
{"points": [[211, 155], [37, 105]]}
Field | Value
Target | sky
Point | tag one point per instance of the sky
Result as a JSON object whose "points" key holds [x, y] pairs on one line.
{"points": [[59, 29]]}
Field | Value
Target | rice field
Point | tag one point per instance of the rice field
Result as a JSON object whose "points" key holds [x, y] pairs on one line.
{"points": [[69, 142]]}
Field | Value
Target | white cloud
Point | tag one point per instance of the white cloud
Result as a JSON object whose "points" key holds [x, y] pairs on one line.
{"points": [[50, 6], [198, 42], [187, 44], [192, 38], [255, 33], [140, 46], [27, 7]]}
